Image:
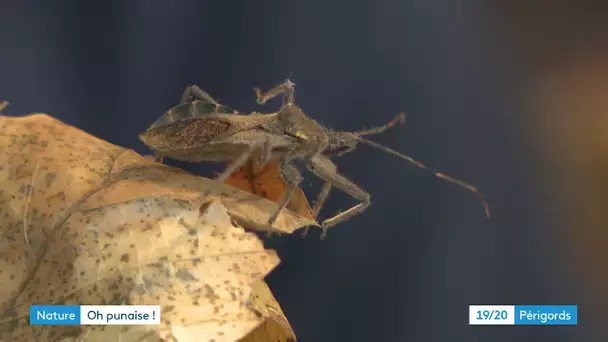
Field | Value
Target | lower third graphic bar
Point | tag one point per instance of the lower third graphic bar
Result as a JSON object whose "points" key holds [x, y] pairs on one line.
{"points": [[523, 314]]}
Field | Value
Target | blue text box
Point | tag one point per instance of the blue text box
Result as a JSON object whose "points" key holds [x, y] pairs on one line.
{"points": [[55, 314], [546, 314]]}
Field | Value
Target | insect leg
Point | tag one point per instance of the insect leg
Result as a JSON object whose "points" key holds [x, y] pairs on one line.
{"points": [[197, 93], [238, 162], [292, 177], [324, 168], [287, 89], [319, 203], [321, 199], [266, 154]]}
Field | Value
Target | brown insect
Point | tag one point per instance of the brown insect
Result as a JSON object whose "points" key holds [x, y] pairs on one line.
{"points": [[203, 130]]}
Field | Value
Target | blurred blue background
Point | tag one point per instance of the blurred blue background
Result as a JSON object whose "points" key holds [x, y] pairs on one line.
{"points": [[510, 96]]}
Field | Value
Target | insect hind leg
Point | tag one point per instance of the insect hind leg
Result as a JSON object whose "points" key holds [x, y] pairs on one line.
{"points": [[291, 176], [318, 205], [238, 162]]}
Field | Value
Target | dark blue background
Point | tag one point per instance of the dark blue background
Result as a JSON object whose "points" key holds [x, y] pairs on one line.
{"points": [[408, 268]]}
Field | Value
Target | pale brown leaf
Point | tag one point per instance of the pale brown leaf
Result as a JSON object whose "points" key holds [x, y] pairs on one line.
{"points": [[87, 222], [275, 327]]}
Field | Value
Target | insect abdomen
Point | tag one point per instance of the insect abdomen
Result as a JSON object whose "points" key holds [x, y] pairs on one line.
{"points": [[184, 134]]}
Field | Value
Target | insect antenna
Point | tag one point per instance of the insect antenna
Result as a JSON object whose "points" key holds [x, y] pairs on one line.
{"points": [[436, 173], [398, 119]]}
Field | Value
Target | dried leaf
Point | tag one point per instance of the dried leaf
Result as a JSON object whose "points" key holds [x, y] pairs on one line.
{"points": [[275, 328], [266, 181], [87, 222]]}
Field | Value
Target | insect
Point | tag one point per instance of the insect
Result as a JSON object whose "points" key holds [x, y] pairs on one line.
{"points": [[3, 105], [203, 130]]}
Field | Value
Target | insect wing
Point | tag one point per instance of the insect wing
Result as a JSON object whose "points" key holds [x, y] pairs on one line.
{"points": [[193, 131], [191, 110]]}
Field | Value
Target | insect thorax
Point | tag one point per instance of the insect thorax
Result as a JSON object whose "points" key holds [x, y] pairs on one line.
{"points": [[294, 122]]}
